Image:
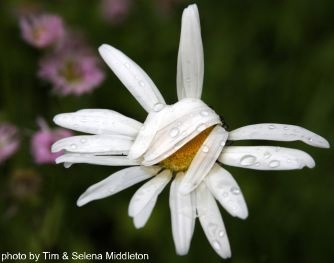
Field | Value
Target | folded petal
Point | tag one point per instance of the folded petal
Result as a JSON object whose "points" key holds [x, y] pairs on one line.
{"points": [[98, 121], [204, 160], [265, 158], [183, 216], [133, 78], [146, 133], [190, 62], [70, 158], [181, 122], [212, 222], [226, 190], [111, 144], [278, 132], [117, 182], [148, 192]]}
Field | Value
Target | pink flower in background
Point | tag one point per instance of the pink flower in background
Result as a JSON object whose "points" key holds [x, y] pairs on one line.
{"points": [[115, 11], [71, 70], [43, 139], [42, 30], [9, 141]]}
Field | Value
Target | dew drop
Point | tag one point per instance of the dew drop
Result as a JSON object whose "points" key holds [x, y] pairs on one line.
{"points": [[83, 140], [204, 113], [205, 149], [310, 139], [235, 190], [127, 65], [274, 164], [216, 245], [188, 79], [221, 233], [174, 132], [225, 194], [67, 165], [247, 160], [285, 128], [73, 146], [158, 106], [271, 126], [142, 83]]}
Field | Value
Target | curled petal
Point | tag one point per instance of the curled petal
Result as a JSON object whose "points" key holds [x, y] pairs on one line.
{"points": [[111, 144], [265, 158], [190, 63], [204, 159], [212, 222], [98, 121], [117, 182], [148, 193], [183, 216], [181, 122], [133, 78], [70, 158], [226, 190], [278, 132]]}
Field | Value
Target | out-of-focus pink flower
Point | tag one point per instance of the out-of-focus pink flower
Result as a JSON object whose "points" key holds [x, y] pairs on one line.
{"points": [[115, 11], [42, 30], [9, 141], [43, 139], [71, 69]]}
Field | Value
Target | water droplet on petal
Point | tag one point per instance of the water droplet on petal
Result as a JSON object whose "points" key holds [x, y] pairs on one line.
{"points": [[174, 132], [204, 113], [67, 165], [221, 233], [158, 106], [310, 139], [235, 190], [285, 127], [274, 163], [127, 65], [248, 160], [225, 194], [216, 245], [271, 126], [83, 140], [142, 83], [205, 149], [73, 146]]}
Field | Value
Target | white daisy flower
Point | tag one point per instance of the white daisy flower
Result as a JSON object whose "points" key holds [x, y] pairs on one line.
{"points": [[185, 140]]}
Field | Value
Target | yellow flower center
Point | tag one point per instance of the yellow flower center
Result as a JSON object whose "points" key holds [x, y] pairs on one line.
{"points": [[182, 158]]}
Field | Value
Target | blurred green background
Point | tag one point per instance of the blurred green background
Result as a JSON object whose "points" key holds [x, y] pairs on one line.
{"points": [[265, 61]]}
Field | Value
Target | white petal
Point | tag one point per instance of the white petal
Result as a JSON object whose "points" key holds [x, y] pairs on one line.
{"points": [[226, 190], [98, 121], [265, 158], [141, 218], [112, 144], [146, 134], [183, 216], [278, 132], [116, 183], [204, 159], [149, 191], [133, 78], [190, 63], [212, 222], [93, 159], [182, 122]]}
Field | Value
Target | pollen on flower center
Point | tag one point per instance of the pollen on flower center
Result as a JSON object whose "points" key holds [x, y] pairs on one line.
{"points": [[181, 159]]}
